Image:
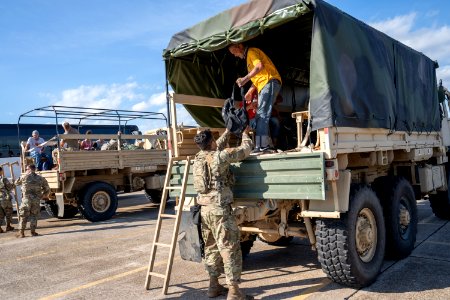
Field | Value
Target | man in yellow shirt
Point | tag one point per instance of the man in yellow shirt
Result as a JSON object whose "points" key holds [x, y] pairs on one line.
{"points": [[267, 81]]}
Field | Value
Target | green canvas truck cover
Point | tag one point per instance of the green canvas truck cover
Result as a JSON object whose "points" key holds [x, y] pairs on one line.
{"points": [[356, 75]]}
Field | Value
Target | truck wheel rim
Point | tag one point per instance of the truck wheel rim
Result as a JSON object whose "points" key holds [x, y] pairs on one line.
{"points": [[366, 235], [404, 216], [101, 201]]}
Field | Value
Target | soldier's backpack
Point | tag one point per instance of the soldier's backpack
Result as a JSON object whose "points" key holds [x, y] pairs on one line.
{"points": [[235, 119], [202, 172]]}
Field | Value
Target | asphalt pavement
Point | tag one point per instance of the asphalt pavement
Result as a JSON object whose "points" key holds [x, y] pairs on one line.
{"points": [[76, 259]]}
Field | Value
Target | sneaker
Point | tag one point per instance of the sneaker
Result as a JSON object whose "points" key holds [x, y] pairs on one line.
{"points": [[256, 151], [268, 150]]}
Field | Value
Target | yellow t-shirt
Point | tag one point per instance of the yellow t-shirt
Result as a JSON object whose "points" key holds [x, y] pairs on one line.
{"points": [[268, 72]]}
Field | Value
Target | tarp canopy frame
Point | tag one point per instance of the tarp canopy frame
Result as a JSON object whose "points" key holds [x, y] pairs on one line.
{"points": [[355, 75]]}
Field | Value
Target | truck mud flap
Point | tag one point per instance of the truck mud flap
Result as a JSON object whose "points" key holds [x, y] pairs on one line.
{"points": [[60, 203]]}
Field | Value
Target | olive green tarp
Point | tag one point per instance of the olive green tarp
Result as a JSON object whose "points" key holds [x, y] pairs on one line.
{"points": [[356, 76]]}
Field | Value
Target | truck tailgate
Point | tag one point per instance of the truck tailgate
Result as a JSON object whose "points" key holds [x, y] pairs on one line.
{"points": [[278, 176]]}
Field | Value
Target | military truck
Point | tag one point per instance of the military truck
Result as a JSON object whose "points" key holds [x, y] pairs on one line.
{"points": [[371, 135], [89, 180]]}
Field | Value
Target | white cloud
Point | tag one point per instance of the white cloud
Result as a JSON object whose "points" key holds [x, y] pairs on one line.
{"points": [[157, 103], [183, 117], [158, 99], [141, 106], [433, 41], [100, 96], [126, 96], [444, 74], [152, 104], [397, 26]]}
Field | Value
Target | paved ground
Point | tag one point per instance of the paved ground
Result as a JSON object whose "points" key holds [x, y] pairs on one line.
{"points": [[75, 259]]}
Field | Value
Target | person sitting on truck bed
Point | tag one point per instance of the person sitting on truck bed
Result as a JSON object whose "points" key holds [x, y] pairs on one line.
{"points": [[37, 151], [266, 80], [113, 143], [213, 181], [87, 144], [97, 145], [138, 143], [66, 143]]}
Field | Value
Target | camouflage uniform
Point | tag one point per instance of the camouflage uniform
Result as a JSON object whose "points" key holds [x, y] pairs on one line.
{"points": [[6, 209], [34, 187], [219, 227]]}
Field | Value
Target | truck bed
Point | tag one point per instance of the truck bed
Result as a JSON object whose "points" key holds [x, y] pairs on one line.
{"points": [[90, 160], [347, 140]]}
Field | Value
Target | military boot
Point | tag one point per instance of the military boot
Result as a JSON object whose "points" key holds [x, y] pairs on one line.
{"points": [[33, 232], [21, 234], [235, 293], [9, 227], [215, 288]]}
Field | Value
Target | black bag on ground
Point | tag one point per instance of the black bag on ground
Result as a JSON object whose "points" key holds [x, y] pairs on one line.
{"points": [[197, 220], [236, 119], [195, 212]]}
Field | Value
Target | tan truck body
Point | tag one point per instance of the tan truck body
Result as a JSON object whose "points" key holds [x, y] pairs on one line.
{"points": [[392, 168], [73, 180]]}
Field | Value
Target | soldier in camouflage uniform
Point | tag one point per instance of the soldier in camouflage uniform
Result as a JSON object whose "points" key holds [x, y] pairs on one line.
{"points": [[6, 209], [34, 187], [219, 227]]}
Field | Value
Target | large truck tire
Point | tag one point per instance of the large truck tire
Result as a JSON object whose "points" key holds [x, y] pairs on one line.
{"points": [[98, 202], [400, 214], [52, 210], [154, 196], [351, 250], [440, 204]]}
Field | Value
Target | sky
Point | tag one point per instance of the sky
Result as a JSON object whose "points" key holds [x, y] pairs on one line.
{"points": [[108, 54]]}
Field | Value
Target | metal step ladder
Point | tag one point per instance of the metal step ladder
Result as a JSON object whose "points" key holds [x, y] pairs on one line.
{"points": [[161, 216]]}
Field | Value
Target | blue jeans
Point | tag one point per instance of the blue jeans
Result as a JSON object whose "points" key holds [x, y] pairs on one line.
{"points": [[37, 159], [274, 125], [40, 165], [266, 100]]}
